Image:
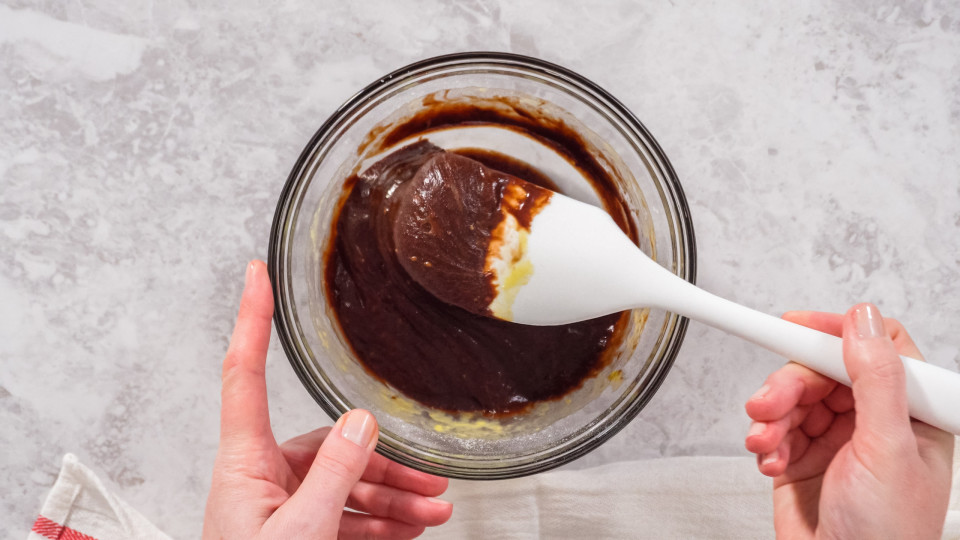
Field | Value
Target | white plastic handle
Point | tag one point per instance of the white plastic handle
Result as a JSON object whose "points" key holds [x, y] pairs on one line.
{"points": [[933, 393], [607, 273]]}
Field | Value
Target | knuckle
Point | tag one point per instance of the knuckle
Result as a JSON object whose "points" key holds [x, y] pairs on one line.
{"points": [[378, 530], [336, 466], [393, 508], [888, 369], [230, 362], [235, 366]]}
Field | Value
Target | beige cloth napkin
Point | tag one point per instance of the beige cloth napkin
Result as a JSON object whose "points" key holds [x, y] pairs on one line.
{"points": [[683, 497]]}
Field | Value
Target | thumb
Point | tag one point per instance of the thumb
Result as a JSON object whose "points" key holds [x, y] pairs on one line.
{"points": [[878, 381], [338, 466]]}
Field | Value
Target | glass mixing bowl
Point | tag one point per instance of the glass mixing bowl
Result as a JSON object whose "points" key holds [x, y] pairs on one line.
{"points": [[467, 445]]}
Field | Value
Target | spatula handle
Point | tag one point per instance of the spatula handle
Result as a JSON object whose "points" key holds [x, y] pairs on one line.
{"points": [[933, 393]]}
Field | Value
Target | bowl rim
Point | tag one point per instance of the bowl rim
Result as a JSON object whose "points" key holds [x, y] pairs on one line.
{"points": [[670, 185]]}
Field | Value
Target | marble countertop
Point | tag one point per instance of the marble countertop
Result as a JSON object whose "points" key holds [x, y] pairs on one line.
{"points": [[143, 146]]}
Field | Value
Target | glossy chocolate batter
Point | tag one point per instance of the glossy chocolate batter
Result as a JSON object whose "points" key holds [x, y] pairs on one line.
{"points": [[445, 222], [438, 354]]}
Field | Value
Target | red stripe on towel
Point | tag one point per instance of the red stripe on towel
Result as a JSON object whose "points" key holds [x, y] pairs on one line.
{"points": [[55, 531]]}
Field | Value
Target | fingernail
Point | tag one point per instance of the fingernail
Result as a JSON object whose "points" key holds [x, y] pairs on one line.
{"points": [[868, 322], [761, 392], [435, 500], [756, 428], [358, 427], [246, 280], [769, 458]]}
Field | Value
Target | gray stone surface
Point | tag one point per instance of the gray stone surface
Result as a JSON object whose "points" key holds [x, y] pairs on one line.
{"points": [[143, 145]]}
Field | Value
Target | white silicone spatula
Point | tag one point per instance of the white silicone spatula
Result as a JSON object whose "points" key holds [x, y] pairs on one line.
{"points": [[584, 267], [574, 264]]}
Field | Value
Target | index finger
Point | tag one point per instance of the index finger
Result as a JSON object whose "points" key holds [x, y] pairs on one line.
{"points": [[828, 323], [300, 452], [244, 394], [901, 339], [384, 471], [832, 323], [793, 384]]}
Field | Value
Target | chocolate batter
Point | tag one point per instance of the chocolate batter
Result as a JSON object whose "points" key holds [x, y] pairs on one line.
{"points": [[441, 355], [438, 354], [445, 220]]}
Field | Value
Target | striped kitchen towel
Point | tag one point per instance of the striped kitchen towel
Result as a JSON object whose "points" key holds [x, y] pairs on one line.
{"points": [[79, 507]]}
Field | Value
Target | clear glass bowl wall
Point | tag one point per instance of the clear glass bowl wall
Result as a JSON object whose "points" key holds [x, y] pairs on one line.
{"points": [[470, 446]]}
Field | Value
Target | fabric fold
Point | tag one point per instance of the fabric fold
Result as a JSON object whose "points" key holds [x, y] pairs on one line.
{"points": [[79, 507]]}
